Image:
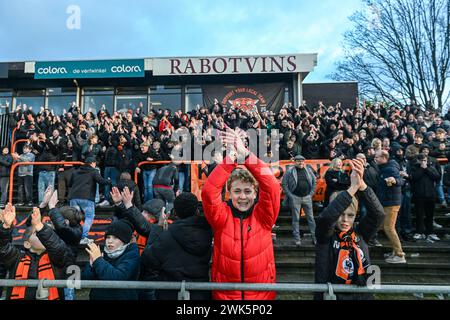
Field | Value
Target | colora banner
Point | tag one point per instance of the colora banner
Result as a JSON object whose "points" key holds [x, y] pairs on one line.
{"points": [[89, 69]]}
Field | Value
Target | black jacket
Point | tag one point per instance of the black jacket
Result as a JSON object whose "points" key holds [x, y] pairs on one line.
{"points": [[371, 176], [156, 156], [83, 183], [326, 235], [111, 157], [141, 225], [446, 178], [166, 176], [59, 254], [342, 183], [424, 182], [71, 235], [48, 151], [183, 252], [5, 165]]}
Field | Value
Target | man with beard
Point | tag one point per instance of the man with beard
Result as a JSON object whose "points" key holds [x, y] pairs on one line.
{"points": [[299, 185]]}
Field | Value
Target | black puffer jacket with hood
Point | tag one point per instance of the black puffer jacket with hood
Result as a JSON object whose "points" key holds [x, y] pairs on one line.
{"points": [[183, 252]]}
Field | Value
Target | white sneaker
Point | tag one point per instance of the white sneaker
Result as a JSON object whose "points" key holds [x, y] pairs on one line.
{"points": [[437, 225], [389, 255], [395, 259], [104, 203], [298, 243], [85, 241], [434, 237], [419, 236]]}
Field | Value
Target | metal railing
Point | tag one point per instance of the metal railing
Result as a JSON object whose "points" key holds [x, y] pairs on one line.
{"points": [[329, 290], [16, 142], [17, 164], [136, 174], [13, 134]]}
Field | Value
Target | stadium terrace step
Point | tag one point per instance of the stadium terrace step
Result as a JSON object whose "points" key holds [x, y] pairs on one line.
{"points": [[287, 230]]}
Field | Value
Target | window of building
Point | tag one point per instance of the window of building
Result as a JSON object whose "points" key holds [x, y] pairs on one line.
{"points": [[131, 98], [5, 99], [95, 98], [287, 97], [194, 97], [60, 99], [30, 99], [125, 103], [165, 97]]}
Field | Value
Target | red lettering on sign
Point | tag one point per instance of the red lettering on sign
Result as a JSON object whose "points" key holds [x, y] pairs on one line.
{"points": [[273, 61], [291, 61], [224, 65], [190, 66], [251, 67], [175, 64], [205, 67], [235, 70], [264, 64]]}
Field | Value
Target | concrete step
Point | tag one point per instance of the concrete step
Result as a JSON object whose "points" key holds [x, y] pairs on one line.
{"points": [[287, 220], [287, 230]]}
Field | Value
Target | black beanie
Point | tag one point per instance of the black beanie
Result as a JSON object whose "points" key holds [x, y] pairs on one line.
{"points": [[121, 229], [185, 205]]}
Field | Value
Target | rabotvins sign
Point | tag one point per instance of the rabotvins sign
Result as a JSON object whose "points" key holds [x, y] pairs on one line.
{"points": [[89, 69]]}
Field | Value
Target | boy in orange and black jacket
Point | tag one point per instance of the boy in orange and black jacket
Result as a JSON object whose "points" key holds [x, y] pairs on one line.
{"points": [[45, 256]]}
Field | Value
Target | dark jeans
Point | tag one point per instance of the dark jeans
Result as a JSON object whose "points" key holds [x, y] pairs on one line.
{"points": [[404, 224], [424, 215], [63, 181], [25, 184], [113, 174], [4, 183]]}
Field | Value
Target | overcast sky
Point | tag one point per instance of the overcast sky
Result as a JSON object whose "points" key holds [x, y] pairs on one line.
{"points": [[37, 29]]}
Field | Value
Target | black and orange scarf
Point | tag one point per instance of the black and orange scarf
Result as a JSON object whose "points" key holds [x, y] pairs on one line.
{"points": [[349, 264], [45, 271]]}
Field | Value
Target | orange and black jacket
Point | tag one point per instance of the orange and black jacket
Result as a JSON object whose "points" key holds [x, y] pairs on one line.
{"points": [[11, 257]]}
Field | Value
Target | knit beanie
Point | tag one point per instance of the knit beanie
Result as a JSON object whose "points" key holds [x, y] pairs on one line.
{"points": [[154, 207], [185, 205], [121, 229]]}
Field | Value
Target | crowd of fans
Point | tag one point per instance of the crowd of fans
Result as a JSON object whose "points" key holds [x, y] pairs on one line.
{"points": [[396, 151]]}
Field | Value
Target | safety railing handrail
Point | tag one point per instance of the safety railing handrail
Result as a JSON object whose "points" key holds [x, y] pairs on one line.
{"points": [[136, 173], [279, 287], [13, 134], [14, 145], [17, 164]]}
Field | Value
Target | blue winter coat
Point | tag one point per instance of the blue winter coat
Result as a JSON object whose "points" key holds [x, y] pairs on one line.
{"points": [[389, 196], [123, 268]]}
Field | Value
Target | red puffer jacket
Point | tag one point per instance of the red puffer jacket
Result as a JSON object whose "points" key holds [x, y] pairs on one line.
{"points": [[243, 248]]}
